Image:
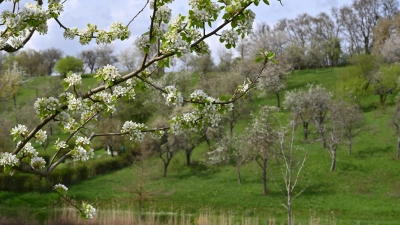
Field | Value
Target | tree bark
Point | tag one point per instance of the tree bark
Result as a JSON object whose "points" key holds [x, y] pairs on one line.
{"points": [[188, 154], [349, 146], [264, 176], [305, 127], [239, 175], [165, 169], [333, 152], [278, 99], [398, 148]]}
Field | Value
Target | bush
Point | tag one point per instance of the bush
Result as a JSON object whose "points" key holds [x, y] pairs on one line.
{"points": [[67, 175]]}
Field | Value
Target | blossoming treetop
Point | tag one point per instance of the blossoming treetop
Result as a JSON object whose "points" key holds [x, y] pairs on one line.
{"points": [[74, 110]]}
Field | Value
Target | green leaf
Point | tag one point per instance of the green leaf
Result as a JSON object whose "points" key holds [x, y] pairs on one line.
{"points": [[259, 59], [274, 61], [266, 2]]}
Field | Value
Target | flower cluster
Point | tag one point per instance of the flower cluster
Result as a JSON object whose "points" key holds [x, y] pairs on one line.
{"points": [[72, 80], [230, 37], [82, 151], [60, 144], [207, 111], [8, 160], [245, 26], [203, 12], [60, 188], [46, 106], [41, 136], [173, 96], [88, 211], [134, 130], [157, 134], [29, 151], [19, 24], [19, 130], [38, 163], [108, 74], [143, 41], [163, 14]]}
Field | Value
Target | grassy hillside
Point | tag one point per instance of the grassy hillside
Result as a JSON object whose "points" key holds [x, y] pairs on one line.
{"points": [[363, 189]]}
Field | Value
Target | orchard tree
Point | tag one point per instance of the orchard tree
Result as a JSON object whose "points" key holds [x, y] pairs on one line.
{"points": [[229, 151], [50, 57], [349, 118], [274, 79], [69, 64], [261, 137], [89, 58], [310, 106], [74, 111]]}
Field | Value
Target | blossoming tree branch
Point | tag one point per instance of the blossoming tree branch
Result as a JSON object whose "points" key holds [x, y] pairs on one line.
{"points": [[74, 111]]}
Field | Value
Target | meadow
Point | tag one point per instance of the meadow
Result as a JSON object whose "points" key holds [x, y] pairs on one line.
{"points": [[363, 189]]}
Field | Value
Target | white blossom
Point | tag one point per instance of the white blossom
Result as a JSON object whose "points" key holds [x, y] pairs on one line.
{"points": [[134, 130], [19, 130], [61, 188], [81, 154], [38, 163], [41, 136], [74, 79], [88, 211], [29, 151], [60, 144], [173, 96], [7, 158]]}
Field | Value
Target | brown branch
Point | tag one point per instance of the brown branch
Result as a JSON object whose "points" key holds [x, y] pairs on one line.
{"points": [[137, 14]]}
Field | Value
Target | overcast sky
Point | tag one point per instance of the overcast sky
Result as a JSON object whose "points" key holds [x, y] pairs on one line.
{"points": [[78, 13]]}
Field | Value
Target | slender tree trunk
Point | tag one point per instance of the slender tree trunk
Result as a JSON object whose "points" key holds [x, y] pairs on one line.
{"points": [[188, 154], [15, 100], [264, 176], [165, 169], [398, 148], [289, 212], [278, 99], [239, 175], [333, 152], [305, 127], [349, 145]]}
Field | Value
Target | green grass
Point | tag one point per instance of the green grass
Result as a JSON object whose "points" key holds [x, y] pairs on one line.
{"points": [[364, 188]]}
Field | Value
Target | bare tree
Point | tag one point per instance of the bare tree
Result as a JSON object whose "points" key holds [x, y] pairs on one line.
{"points": [[105, 55], [89, 58], [50, 57], [128, 58], [292, 167]]}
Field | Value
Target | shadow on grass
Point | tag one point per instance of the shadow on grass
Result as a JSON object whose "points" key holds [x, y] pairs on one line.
{"points": [[199, 170], [368, 152]]}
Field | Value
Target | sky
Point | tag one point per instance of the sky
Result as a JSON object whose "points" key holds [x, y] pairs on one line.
{"points": [[78, 13]]}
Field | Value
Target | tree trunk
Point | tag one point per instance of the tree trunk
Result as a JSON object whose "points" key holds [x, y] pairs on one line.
{"points": [[165, 169], [333, 152], [349, 146], [305, 127], [188, 154], [398, 148], [239, 175], [278, 99], [15, 100], [289, 212], [264, 176]]}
